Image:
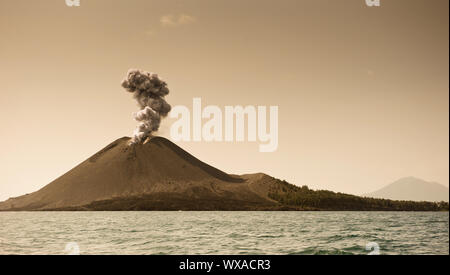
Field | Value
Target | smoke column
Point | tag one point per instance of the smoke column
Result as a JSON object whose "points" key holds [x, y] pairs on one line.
{"points": [[149, 91]]}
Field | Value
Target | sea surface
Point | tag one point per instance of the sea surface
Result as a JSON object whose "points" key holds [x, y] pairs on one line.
{"points": [[177, 232]]}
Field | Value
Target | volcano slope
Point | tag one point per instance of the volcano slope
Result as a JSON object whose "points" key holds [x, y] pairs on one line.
{"points": [[156, 175], [159, 175]]}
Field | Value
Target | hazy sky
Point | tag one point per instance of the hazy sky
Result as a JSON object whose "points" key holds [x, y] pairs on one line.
{"points": [[362, 92]]}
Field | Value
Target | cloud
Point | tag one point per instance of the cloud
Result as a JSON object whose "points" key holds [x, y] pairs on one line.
{"points": [[173, 21], [186, 19]]}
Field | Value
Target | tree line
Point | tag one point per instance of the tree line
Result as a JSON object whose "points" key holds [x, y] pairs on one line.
{"points": [[307, 199]]}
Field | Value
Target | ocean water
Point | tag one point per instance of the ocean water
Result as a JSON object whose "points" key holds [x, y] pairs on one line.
{"points": [[223, 232]]}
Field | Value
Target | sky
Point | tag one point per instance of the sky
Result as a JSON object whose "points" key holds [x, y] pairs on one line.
{"points": [[362, 92]]}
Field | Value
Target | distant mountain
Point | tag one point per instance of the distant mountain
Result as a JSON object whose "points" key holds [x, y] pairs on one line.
{"points": [[413, 189], [159, 175]]}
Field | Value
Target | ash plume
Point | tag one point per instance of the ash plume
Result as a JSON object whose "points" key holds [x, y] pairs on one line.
{"points": [[149, 91]]}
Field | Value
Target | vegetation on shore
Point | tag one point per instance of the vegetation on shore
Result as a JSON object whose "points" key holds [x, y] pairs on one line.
{"points": [[307, 199]]}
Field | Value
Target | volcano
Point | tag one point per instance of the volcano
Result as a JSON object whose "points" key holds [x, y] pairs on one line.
{"points": [[155, 175], [159, 175]]}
